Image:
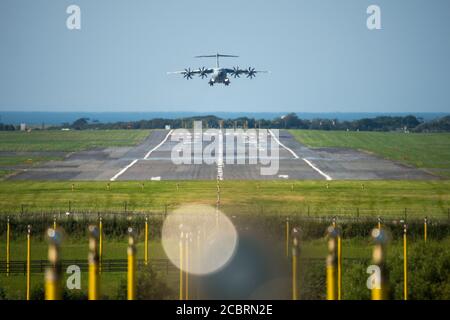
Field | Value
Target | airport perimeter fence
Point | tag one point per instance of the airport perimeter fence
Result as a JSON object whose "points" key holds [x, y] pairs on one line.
{"points": [[115, 224]]}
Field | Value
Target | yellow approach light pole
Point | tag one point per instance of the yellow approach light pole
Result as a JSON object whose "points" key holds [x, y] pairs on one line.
{"points": [[379, 291], [425, 227], [131, 292], [53, 272], [8, 231], [100, 247], [287, 237], [54, 222], [93, 260], [405, 264], [28, 261], [332, 262], [146, 242], [295, 254]]}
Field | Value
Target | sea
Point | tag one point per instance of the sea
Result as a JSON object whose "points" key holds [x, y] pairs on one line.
{"points": [[59, 118]]}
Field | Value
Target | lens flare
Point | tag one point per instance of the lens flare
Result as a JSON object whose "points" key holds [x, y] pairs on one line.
{"points": [[198, 239]]}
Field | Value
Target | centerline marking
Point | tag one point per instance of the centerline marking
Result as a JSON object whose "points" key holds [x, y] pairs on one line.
{"points": [[327, 177], [118, 174]]}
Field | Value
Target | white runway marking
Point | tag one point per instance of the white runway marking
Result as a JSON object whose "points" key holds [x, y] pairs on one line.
{"points": [[279, 142], [159, 145], [220, 157], [309, 163], [132, 163], [327, 177]]}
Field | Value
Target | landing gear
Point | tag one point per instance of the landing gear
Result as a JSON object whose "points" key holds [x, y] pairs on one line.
{"points": [[227, 82], [211, 83]]}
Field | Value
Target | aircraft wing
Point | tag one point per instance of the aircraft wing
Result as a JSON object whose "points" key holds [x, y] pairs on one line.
{"points": [[188, 73], [250, 72]]}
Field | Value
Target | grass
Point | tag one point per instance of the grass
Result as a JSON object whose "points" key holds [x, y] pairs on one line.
{"points": [[69, 141], [26, 149], [428, 151], [421, 198]]}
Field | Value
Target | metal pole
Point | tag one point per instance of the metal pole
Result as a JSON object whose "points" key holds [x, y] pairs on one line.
{"points": [[332, 262], [425, 227], [186, 253], [181, 265], [287, 237], [379, 290], [8, 230], [54, 222], [295, 253], [339, 265], [405, 264], [146, 242], [53, 272], [100, 246], [28, 261], [131, 292], [93, 260]]}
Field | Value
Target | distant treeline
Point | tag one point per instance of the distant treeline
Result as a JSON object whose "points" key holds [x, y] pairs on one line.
{"points": [[290, 121]]}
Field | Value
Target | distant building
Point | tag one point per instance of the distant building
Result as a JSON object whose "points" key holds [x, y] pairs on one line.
{"points": [[23, 127], [167, 126]]}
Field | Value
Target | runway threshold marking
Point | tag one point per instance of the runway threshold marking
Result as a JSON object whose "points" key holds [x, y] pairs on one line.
{"points": [[132, 163], [279, 142], [159, 145], [309, 163], [327, 177], [118, 174]]}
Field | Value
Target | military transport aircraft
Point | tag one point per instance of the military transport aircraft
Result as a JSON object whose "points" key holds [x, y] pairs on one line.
{"points": [[219, 75]]}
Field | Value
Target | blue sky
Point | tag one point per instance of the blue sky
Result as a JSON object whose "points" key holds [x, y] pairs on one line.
{"points": [[320, 52]]}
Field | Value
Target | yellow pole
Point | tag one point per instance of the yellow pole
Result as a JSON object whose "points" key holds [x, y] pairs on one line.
{"points": [[287, 237], [425, 227], [93, 259], [181, 266], [146, 242], [8, 230], [379, 222], [131, 292], [332, 262], [295, 253], [379, 291], [405, 265], [186, 253], [54, 222], [339, 266], [53, 272], [28, 261], [100, 247]]}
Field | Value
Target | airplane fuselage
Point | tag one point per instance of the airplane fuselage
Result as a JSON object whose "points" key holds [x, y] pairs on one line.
{"points": [[219, 75]]}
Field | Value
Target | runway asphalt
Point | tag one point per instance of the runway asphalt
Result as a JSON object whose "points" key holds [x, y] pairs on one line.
{"points": [[151, 160]]}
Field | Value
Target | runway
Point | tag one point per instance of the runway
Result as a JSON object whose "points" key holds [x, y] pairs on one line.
{"points": [[152, 160]]}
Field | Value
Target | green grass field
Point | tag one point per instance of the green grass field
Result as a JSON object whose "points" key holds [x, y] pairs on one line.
{"points": [[25, 149], [428, 151], [388, 198], [68, 141]]}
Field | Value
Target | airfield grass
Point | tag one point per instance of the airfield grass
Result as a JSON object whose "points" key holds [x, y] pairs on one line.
{"points": [[428, 151], [67, 141], [369, 198], [26, 149]]}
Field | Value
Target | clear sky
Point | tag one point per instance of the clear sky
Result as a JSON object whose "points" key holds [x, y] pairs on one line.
{"points": [[320, 52]]}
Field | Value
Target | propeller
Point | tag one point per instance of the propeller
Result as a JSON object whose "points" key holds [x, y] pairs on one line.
{"points": [[188, 74], [202, 72], [251, 73], [236, 72]]}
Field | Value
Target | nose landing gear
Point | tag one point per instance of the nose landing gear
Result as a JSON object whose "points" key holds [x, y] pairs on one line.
{"points": [[211, 83], [227, 82]]}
